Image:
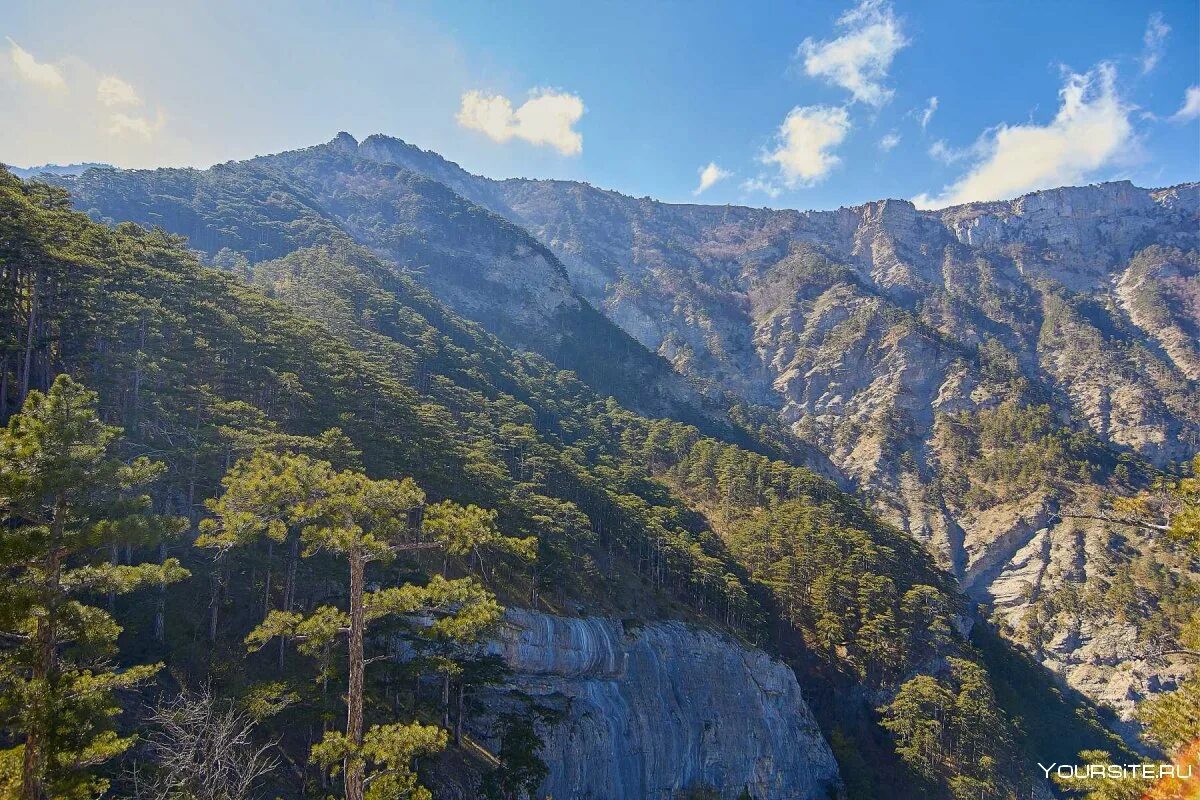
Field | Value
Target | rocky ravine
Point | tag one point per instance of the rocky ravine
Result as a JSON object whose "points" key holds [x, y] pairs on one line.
{"points": [[645, 712]]}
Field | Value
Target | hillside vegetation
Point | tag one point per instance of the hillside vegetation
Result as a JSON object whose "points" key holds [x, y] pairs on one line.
{"points": [[471, 475]]}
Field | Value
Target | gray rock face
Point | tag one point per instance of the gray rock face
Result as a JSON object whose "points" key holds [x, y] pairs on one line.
{"points": [[645, 713]]}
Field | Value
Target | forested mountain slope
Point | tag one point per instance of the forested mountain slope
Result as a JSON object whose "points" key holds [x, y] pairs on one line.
{"points": [[329, 350], [985, 374], [471, 259]]}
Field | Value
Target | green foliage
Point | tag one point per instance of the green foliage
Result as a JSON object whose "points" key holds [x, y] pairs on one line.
{"points": [[470, 530], [1173, 719], [850, 593], [64, 499], [1101, 786], [361, 520], [391, 750], [1182, 506], [520, 771], [856, 772], [1010, 451], [950, 729]]}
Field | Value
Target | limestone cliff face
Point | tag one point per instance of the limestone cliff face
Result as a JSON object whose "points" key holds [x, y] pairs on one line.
{"points": [[1036, 274], [1046, 591], [645, 712]]}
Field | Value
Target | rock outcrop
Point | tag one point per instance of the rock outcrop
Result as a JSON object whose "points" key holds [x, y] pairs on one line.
{"points": [[643, 713]]}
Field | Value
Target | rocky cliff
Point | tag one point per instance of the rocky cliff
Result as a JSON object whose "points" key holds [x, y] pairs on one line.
{"points": [[643, 713]]}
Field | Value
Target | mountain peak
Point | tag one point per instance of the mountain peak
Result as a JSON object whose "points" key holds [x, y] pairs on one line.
{"points": [[382, 147], [344, 141], [390, 141]]}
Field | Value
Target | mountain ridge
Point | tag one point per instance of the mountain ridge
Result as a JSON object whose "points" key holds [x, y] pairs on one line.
{"points": [[383, 143]]}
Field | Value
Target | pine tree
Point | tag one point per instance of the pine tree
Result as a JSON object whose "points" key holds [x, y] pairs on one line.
{"points": [[520, 771], [918, 719], [362, 521], [63, 499]]}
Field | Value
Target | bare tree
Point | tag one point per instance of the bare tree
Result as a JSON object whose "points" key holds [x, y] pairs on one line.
{"points": [[201, 749]]}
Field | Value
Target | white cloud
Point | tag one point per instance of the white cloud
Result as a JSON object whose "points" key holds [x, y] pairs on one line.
{"points": [[930, 108], [804, 144], [112, 91], [121, 125], [82, 114], [29, 69], [762, 184], [1154, 39], [709, 175], [859, 59], [1091, 130], [940, 151], [546, 118], [1191, 105], [889, 141]]}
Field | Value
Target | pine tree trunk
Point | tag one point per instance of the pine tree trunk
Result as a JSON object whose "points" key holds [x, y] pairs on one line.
{"points": [[33, 301], [289, 589], [33, 766], [458, 719], [137, 376], [4, 389], [446, 698], [114, 559], [214, 606], [160, 608], [267, 591], [353, 767]]}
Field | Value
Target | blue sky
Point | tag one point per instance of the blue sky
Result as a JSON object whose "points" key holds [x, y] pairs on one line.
{"points": [[802, 104]]}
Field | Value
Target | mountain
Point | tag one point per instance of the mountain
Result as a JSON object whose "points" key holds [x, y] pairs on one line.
{"points": [[983, 377], [919, 349], [874, 329], [475, 261], [985, 374], [199, 367]]}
